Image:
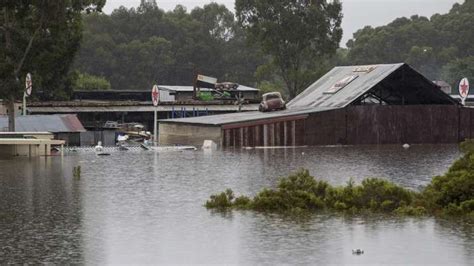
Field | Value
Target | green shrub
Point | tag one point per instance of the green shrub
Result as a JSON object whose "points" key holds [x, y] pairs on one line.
{"points": [[467, 206], [447, 192], [340, 206], [242, 202], [411, 211], [221, 201], [84, 81], [452, 194]]}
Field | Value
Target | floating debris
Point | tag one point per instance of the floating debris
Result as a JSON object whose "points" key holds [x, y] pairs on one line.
{"points": [[406, 146], [209, 145], [357, 251]]}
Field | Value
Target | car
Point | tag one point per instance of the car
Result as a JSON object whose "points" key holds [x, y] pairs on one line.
{"points": [[272, 101]]}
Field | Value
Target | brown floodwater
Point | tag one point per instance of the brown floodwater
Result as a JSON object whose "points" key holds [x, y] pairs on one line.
{"points": [[145, 207]]}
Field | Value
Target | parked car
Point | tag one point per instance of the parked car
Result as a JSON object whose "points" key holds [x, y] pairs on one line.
{"points": [[272, 101]]}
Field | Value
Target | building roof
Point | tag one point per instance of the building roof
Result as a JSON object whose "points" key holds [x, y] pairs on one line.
{"points": [[177, 88], [441, 83], [345, 85], [231, 118], [140, 108], [44, 123], [342, 86], [190, 88]]}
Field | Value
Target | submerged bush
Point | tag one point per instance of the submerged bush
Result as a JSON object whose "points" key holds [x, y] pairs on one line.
{"points": [[302, 192], [221, 201], [452, 193]]}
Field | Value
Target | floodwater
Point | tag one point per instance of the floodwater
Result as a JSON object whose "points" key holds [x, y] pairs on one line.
{"points": [[147, 207]]}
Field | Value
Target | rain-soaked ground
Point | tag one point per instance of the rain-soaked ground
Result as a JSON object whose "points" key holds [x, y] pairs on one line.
{"points": [[146, 207]]}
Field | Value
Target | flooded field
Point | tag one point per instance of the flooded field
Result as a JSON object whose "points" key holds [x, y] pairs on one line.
{"points": [[147, 207]]}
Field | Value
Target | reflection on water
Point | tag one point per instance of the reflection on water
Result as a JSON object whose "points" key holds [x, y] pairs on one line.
{"points": [[145, 207]]}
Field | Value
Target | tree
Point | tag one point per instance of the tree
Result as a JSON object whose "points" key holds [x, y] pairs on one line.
{"points": [[84, 81], [134, 48], [296, 34], [38, 35], [428, 44], [454, 71]]}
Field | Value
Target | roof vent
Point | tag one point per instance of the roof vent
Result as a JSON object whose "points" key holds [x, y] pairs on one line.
{"points": [[341, 84]]}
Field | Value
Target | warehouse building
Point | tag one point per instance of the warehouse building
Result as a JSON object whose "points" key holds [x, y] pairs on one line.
{"points": [[351, 105]]}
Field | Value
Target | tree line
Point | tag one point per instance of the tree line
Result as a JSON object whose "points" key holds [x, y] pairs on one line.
{"points": [[440, 47], [137, 47], [273, 45], [134, 48], [283, 45]]}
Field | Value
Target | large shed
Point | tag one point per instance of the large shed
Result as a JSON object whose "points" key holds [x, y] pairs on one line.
{"points": [[375, 104], [63, 127]]}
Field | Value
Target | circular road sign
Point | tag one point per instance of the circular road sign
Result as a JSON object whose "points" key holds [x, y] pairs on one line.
{"points": [[28, 84], [155, 95], [464, 88]]}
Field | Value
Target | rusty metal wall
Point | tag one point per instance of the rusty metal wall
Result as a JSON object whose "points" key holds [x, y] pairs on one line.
{"points": [[326, 128], [274, 133], [356, 125], [359, 125]]}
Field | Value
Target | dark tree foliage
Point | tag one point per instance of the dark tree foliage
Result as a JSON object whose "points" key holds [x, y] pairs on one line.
{"points": [[297, 34], [135, 48], [428, 44], [40, 37]]}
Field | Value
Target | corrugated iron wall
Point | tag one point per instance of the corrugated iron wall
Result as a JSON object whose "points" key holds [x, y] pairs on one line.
{"points": [[359, 125], [271, 133], [356, 125]]}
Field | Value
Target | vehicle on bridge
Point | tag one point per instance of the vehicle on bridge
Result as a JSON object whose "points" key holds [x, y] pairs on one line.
{"points": [[272, 101]]}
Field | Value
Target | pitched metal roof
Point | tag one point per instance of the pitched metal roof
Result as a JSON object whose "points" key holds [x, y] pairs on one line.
{"points": [[223, 119], [44, 123], [364, 78], [337, 89]]}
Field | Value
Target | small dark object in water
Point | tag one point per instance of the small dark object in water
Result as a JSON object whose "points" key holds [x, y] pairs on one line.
{"points": [[357, 251], [103, 154], [76, 172]]}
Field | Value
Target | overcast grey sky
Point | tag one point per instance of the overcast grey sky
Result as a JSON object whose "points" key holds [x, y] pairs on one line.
{"points": [[357, 13]]}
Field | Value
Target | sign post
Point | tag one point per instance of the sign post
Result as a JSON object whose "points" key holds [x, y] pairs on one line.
{"points": [[464, 90], [27, 92], [155, 97]]}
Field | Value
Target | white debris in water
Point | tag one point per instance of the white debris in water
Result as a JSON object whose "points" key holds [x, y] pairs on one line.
{"points": [[209, 145]]}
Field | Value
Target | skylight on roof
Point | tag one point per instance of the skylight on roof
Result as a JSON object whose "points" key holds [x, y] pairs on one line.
{"points": [[341, 84]]}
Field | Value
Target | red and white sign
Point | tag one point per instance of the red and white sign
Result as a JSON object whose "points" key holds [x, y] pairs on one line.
{"points": [[464, 88], [155, 95], [28, 84]]}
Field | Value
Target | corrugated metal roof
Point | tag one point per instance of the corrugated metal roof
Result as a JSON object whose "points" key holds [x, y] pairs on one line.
{"points": [[139, 108], [190, 88], [315, 94], [337, 89], [231, 118], [328, 91], [44, 123]]}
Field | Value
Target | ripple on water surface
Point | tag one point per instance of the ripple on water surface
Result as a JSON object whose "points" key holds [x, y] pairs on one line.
{"points": [[145, 207]]}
